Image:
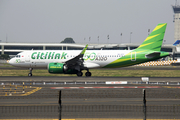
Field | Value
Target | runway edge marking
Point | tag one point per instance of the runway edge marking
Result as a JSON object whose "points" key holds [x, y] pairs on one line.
{"points": [[105, 87], [92, 119]]}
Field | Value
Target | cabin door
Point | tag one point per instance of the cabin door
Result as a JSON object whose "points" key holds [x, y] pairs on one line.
{"points": [[133, 56], [27, 57]]}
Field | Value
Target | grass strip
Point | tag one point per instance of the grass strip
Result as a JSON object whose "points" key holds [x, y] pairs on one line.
{"points": [[98, 72]]}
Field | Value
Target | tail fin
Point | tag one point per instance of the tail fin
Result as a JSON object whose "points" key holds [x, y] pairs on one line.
{"points": [[155, 39], [176, 43]]}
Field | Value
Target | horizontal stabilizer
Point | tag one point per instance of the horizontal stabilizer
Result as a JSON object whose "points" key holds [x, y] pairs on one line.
{"points": [[154, 54]]}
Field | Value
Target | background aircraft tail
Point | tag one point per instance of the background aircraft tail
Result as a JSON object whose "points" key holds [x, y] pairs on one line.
{"points": [[155, 39], [176, 43]]}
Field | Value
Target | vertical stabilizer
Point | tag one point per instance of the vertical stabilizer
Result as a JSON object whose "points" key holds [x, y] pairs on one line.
{"points": [[155, 39]]}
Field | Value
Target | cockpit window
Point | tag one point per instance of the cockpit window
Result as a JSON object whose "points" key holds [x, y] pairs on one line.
{"points": [[18, 56]]}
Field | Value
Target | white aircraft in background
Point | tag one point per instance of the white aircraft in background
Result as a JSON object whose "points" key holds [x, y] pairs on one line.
{"points": [[74, 61]]}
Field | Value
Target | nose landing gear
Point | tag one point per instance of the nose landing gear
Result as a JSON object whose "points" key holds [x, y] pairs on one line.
{"points": [[30, 72]]}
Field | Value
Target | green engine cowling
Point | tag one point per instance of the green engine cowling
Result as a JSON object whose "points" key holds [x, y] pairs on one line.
{"points": [[58, 68]]}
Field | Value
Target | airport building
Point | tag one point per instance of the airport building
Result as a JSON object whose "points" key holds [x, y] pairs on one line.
{"points": [[176, 9], [13, 49]]}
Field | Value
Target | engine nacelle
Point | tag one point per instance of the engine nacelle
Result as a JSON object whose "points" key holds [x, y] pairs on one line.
{"points": [[58, 68]]}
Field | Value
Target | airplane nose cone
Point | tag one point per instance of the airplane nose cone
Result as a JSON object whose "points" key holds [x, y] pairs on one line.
{"points": [[7, 61], [10, 61]]}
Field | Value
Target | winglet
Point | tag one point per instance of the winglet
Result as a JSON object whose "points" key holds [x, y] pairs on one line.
{"points": [[84, 50]]}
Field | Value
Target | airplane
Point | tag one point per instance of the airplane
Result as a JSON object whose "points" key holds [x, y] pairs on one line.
{"points": [[74, 61]]}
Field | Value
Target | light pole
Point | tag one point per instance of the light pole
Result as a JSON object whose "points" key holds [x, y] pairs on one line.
{"points": [[121, 38], [98, 39], [130, 36], [148, 31], [108, 38]]}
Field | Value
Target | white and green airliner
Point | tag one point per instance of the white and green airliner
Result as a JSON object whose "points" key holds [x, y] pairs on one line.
{"points": [[74, 61]]}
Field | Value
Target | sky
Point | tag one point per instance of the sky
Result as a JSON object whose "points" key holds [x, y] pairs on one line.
{"points": [[51, 21]]}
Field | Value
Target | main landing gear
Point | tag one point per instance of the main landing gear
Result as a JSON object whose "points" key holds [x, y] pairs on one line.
{"points": [[80, 74], [88, 74], [30, 72]]}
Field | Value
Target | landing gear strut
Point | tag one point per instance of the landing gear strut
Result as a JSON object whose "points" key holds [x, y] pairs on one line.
{"points": [[88, 74], [30, 72]]}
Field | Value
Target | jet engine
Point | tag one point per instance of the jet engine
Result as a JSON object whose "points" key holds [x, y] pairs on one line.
{"points": [[58, 68]]}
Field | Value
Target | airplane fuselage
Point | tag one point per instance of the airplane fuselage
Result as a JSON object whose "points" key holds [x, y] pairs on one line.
{"points": [[41, 58]]}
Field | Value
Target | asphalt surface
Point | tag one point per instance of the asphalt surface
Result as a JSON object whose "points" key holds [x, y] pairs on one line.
{"points": [[92, 103], [69, 78], [41, 101], [122, 68]]}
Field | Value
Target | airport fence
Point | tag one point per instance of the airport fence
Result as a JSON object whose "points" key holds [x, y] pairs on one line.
{"points": [[92, 103], [89, 111]]}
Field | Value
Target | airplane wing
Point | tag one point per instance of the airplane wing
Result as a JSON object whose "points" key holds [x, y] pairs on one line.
{"points": [[77, 61]]}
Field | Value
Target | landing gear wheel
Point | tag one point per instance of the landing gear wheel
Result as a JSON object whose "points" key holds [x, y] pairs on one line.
{"points": [[79, 74], [30, 74], [88, 74]]}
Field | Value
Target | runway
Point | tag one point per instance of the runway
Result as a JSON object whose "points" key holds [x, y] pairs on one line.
{"points": [[122, 68], [91, 101], [79, 79]]}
